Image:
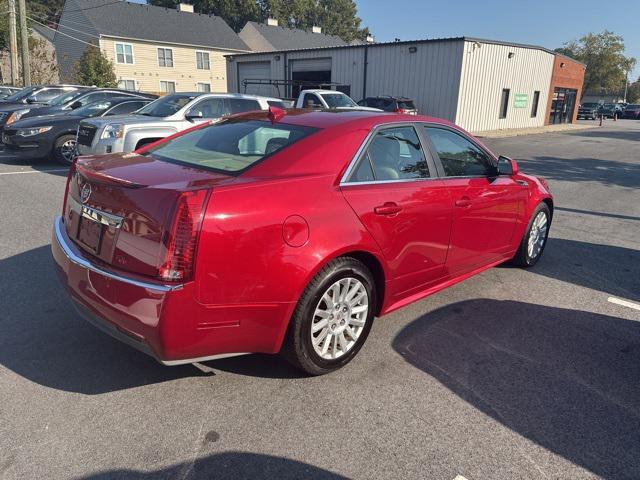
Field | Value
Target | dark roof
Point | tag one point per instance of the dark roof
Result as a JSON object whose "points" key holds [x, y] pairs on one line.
{"points": [[166, 25], [283, 37], [46, 33]]}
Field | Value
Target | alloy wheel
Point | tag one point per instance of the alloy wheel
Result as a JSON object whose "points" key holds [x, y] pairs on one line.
{"points": [[68, 150], [538, 235], [339, 318]]}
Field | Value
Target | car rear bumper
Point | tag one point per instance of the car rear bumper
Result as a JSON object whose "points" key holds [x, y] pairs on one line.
{"points": [[162, 320]]}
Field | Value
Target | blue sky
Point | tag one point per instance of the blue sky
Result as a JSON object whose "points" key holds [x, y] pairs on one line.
{"points": [[540, 22]]}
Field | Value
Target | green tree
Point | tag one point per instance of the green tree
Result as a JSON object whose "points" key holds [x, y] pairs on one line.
{"points": [[633, 93], [604, 55], [94, 68]]}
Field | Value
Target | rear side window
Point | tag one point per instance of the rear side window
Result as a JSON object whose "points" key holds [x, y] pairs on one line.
{"points": [[231, 146], [239, 105], [459, 157], [393, 154], [126, 107], [310, 100], [208, 108]]}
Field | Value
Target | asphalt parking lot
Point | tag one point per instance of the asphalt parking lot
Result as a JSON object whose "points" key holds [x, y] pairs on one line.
{"points": [[510, 375]]}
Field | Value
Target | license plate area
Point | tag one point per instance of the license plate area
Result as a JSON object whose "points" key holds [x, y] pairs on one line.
{"points": [[90, 234]]}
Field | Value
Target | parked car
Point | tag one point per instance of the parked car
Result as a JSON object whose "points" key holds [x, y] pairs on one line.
{"points": [[166, 116], [79, 98], [632, 111], [328, 99], [287, 232], [390, 104], [55, 135], [14, 107], [5, 91], [589, 111], [609, 109]]}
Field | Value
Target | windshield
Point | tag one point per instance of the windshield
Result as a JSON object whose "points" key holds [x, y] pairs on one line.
{"points": [[337, 100], [230, 146], [93, 109], [66, 97], [165, 106], [21, 94]]}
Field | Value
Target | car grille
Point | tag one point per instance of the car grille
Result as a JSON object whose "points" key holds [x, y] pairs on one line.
{"points": [[86, 134]]}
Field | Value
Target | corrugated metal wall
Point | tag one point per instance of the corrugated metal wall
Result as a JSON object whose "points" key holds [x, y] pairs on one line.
{"points": [[486, 70]]}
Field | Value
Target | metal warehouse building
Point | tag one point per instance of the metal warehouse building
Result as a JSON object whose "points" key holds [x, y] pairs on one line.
{"points": [[478, 84]]}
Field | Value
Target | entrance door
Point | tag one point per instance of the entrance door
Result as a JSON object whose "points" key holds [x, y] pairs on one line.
{"points": [[562, 105]]}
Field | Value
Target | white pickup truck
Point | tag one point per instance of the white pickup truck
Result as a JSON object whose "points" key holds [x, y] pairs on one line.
{"points": [[329, 99]]}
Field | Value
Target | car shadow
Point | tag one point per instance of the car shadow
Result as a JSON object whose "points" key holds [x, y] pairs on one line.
{"points": [[632, 134], [45, 165], [44, 340], [607, 172], [606, 268], [564, 379], [228, 465]]}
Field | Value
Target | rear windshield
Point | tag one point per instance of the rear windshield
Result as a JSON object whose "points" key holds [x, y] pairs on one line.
{"points": [[231, 146], [21, 94], [406, 104], [337, 100], [165, 106]]}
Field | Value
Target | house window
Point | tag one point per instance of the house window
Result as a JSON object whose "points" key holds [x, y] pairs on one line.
{"points": [[202, 61], [534, 105], [167, 86], [203, 87], [127, 84], [124, 53], [504, 102], [165, 57]]}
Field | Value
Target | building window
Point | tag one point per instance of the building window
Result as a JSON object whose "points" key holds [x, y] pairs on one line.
{"points": [[203, 87], [165, 57], [534, 105], [167, 86], [127, 84], [202, 61], [124, 53], [504, 102]]}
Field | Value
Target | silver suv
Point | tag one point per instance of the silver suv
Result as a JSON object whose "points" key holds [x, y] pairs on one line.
{"points": [[161, 118]]}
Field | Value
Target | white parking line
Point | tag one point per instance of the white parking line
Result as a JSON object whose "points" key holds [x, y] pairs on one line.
{"points": [[459, 477], [624, 303], [36, 171]]}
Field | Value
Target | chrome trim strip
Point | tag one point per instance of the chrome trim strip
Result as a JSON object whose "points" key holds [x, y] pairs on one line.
{"points": [[74, 256], [171, 363], [108, 219]]}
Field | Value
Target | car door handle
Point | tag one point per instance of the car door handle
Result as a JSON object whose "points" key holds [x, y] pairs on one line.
{"points": [[463, 202], [389, 208]]}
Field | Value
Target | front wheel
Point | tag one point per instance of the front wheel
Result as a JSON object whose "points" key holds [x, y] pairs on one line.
{"points": [[535, 238], [333, 317], [64, 150]]}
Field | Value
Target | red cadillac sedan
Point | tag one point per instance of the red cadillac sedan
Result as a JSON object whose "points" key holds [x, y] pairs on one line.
{"points": [[287, 231]]}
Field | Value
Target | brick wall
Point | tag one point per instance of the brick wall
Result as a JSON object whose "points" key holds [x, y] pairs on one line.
{"points": [[566, 73]]}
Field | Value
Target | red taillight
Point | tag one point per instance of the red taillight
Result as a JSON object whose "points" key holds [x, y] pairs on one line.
{"points": [[400, 110], [182, 238], [72, 171]]}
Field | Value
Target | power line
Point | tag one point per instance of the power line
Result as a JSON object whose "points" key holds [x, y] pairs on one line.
{"points": [[62, 33], [65, 26]]}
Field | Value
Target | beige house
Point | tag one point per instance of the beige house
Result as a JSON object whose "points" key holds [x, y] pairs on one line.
{"points": [[153, 49]]}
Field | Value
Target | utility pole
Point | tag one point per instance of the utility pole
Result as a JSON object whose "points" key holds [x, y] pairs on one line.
{"points": [[626, 85], [24, 39], [13, 43]]}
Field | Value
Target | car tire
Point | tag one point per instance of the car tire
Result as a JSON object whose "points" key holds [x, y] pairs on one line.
{"points": [[535, 238], [64, 149], [332, 318]]}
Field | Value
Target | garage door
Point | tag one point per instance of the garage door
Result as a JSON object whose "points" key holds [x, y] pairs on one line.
{"points": [[252, 71], [311, 65]]}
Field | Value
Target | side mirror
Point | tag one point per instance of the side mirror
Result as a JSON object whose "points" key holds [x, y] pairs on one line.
{"points": [[194, 115], [507, 166]]}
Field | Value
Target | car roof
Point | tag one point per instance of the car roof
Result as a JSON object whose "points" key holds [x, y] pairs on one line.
{"points": [[355, 118], [392, 97]]}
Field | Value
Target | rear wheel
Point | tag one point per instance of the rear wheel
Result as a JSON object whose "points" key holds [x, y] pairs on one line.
{"points": [[332, 319], [64, 150], [535, 238]]}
